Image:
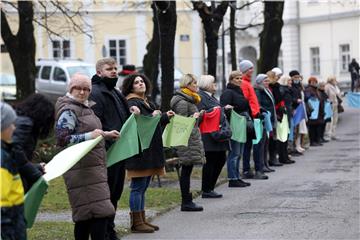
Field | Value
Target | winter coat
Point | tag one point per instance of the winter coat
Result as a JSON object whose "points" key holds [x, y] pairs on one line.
{"points": [[24, 144], [287, 94], [184, 105], [234, 96], [12, 197], [313, 92], [208, 103], [86, 181], [266, 100], [249, 94], [332, 93], [279, 100], [111, 107], [296, 90], [151, 161]]}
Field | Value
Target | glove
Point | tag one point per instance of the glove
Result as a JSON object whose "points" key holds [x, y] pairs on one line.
{"points": [[263, 110]]}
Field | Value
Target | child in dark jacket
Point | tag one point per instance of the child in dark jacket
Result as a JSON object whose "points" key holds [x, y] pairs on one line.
{"points": [[12, 192]]}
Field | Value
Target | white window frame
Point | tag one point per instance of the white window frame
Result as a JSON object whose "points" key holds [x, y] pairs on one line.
{"points": [[315, 61], [126, 48], [61, 40], [344, 57]]}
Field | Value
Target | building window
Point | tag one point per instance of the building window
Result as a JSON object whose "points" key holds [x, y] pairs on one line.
{"points": [[315, 60], [61, 49], [117, 50], [344, 57], [280, 60]]}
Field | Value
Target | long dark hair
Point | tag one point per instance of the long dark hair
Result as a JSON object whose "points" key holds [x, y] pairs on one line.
{"points": [[41, 110], [128, 82]]}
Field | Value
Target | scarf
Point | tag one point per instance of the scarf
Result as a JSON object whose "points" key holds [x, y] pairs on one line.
{"points": [[192, 94]]}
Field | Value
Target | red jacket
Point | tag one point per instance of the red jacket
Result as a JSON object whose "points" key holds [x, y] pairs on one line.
{"points": [[250, 95]]}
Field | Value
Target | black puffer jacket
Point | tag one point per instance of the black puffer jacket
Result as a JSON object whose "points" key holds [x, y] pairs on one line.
{"points": [[235, 97], [24, 144], [266, 101], [111, 107], [153, 157]]}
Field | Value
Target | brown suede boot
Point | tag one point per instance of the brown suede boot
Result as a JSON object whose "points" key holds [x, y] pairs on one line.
{"points": [[138, 225], [156, 228]]}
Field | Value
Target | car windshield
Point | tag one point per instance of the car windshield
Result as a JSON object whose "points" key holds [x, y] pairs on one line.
{"points": [[87, 70], [7, 79]]}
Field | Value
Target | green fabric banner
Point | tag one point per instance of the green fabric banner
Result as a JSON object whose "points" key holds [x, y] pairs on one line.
{"points": [[146, 127], [238, 127], [127, 145], [33, 200], [68, 157], [258, 130], [177, 132], [282, 129]]}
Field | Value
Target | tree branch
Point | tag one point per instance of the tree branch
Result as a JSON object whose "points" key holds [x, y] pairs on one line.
{"points": [[246, 4]]}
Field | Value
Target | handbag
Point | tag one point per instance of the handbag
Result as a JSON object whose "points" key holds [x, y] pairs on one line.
{"points": [[339, 106], [224, 133]]}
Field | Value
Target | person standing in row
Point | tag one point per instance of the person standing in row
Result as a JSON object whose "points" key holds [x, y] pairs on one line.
{"points": [[36, 117], [13, 225], [215, 151], [184, 103], [86, 181], [234, 96], [112, 109], [150, 162], [333, 92]]}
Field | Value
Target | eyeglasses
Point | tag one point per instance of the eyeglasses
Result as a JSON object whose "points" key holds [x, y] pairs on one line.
{"points": [[85, 89]]}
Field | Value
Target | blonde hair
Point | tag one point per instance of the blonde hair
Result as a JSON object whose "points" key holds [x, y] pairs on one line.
{"points": [[332, 80], [272, 76], [100, 63], [186, 80], [234, 74], [205, 81], [284, 80]]}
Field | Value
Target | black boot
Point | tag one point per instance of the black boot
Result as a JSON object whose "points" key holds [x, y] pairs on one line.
{"points": [[266, 166], [188, 205]]}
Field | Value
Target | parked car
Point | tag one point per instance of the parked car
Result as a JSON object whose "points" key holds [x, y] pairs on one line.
{"points": [[7, 86], [53, 76]]}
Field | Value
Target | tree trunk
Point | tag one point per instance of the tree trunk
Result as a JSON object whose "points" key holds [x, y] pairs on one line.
{"points": [[21, 48], [212, 21], [270, 37], [151, 58], [232, 36], [167, 22]]}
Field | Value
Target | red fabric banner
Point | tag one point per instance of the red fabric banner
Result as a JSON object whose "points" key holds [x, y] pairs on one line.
{"points": [[211, 121]]}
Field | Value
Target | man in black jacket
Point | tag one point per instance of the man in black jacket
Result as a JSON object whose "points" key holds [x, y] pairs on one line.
{"points": [[112, 109], [354, 71]]}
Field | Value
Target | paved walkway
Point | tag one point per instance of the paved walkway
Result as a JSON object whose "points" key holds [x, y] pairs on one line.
{"points": [[315, 198]]}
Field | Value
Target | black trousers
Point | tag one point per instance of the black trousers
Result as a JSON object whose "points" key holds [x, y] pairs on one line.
{"points": [[96, 228], [116, 178], [314, 133], [185, 175], [212, 169], [272, 149], [282, 151]]}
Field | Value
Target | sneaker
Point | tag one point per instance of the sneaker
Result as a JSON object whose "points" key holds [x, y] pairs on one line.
{"points": [[211, 194], [260, 175], [248, 175]]}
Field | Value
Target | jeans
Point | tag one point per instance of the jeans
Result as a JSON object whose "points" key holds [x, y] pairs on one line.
{"points": [[137, 194], [233, 160]]}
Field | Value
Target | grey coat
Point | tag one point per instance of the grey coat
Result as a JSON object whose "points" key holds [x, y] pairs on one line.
{"points": [[184, 105]]}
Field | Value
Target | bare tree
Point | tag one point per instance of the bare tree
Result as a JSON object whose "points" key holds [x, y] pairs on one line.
{"points": [[151, 58], [212, 18], [22, 45], [270, 37]]}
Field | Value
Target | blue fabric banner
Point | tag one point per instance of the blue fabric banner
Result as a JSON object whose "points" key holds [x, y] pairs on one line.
{"points": [[267, 121], [353, 99], [299, 114], [315, 104], [258, 130], [328, 110]]}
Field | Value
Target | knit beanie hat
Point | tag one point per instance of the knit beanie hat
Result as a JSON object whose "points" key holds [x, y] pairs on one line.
{"points": [[8, 115], [245, 65], [260, 78], [277, 71], [293, 73], [79, 79]]}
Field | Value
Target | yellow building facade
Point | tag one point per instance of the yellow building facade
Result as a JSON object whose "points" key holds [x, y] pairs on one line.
{"points": [[119, 29]]}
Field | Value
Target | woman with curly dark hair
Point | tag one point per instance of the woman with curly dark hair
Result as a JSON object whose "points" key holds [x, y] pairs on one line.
{"points": [[36, 116]]}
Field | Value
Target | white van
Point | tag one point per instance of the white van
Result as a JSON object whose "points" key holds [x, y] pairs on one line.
{"points": [[53, 76]]}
